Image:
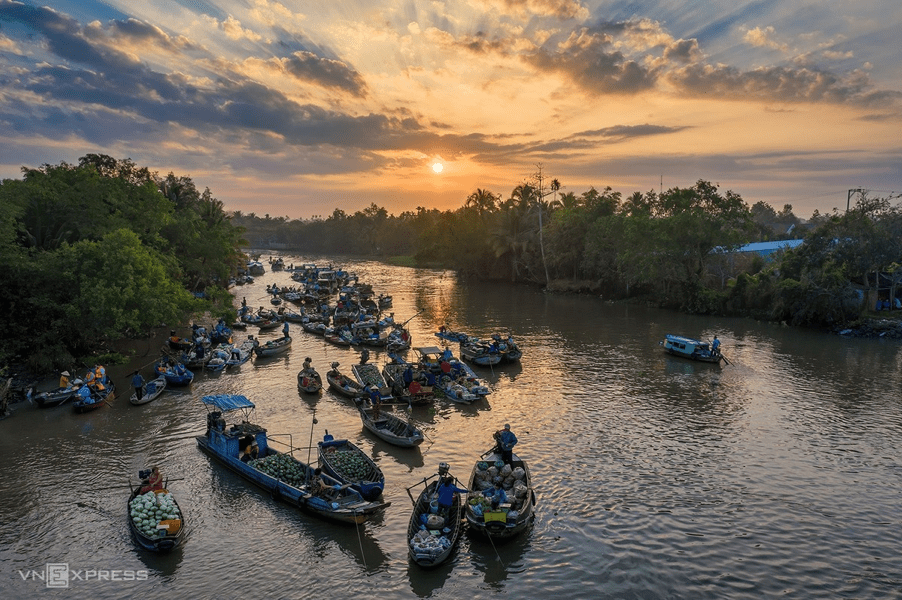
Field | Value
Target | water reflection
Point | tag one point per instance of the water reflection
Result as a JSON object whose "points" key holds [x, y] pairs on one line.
{"points": [[656, 475]]}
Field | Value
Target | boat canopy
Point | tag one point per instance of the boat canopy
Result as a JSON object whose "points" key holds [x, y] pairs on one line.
{"points": [[227, 402], [684, 340], [429, 350]]}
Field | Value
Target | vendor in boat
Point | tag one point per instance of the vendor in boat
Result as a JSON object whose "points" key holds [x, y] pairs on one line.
{"points": [[506, 442], [153, 482], [308, 366], [317, 485], [285, 329], [64, 379], [715, 346], [496, 493], [251, 452], [446, 491]]}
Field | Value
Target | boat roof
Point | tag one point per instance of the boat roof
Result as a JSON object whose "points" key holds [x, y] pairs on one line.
{"points": [[226, 402], [429, 350], [680, 338]]}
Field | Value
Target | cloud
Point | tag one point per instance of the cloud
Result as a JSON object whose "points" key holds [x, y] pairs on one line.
{"points": [[764, 38], [325, 72]]}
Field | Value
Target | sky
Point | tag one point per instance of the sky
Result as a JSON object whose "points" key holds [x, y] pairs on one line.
{"points": [[296, 109]]}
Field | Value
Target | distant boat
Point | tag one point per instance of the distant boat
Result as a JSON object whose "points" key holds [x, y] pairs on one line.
{"points": [[691, 349]]}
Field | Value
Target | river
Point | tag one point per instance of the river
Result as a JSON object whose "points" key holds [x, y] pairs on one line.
{"points": [[777, 475]]}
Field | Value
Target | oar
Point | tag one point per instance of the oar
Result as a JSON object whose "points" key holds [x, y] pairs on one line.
{"points": [[725, 360], [129, 485]]}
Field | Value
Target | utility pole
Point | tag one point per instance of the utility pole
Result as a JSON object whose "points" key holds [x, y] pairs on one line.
{"points": [[849, 196]]}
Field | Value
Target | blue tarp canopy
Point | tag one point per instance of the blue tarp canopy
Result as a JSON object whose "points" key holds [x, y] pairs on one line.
{"points": [[226, 402]]}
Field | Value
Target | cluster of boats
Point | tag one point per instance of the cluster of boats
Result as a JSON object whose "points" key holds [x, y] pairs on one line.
{"points": [[87, 392], [344, 484]]}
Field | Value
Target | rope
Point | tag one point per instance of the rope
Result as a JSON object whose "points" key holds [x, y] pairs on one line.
{"points": [[495, 549], [360, 542]]}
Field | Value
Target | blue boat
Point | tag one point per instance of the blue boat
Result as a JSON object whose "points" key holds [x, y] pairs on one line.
{"points": [[281, 474], [176, 374], [91, 397], [350, 465], [691, 349]]}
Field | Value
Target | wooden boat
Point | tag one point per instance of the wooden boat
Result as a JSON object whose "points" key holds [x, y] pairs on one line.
{"points": [[155, 520], [506, 519], [280, 473], [369, 377], [59, 396], [451, 336], [337, 336], [176, 373], [431, 537], [91, 399], [691, 349], [273, 347], [479, 353], [219, 358], [510, 351], [349, 464], [388, 426], [343, 384], [242, 353], [152, 391], [314, 327], [309, 381], [415, 392], [455, 392]]}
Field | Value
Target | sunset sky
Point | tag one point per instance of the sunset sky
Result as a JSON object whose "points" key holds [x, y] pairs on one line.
{"points": [[298, 108]]}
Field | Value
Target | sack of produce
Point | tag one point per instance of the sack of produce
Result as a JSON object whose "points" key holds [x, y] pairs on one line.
{"points": [[505, 471], [435, 522], [520, 489], [519, 473]]}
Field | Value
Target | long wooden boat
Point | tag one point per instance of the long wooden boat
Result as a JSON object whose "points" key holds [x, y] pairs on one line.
{"points": [[369, 377], [152, 390], [432, 540], [57, 397], [506, 519], [155, 520], [242, 353], [349, 464], [389, 427], [280, 473], [273, 347], [691, 349], [343, 384]]}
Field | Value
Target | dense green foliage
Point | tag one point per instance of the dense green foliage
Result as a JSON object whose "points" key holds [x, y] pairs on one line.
{"points": [[674, 248], [93, 252]]}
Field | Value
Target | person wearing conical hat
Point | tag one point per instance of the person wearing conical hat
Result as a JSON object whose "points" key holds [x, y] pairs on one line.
{"points": [[64, 379]]}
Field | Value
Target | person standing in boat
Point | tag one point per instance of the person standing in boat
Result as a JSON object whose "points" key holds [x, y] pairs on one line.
{"points": [[715, 346], [64, 379], [506, 442], [285, 329], [138, 384]]}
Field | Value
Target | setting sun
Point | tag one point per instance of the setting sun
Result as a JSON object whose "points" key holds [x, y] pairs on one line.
{"points": [[437, 167]]}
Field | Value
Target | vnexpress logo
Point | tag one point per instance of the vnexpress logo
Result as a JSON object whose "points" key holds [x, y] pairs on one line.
{"points": [[59, 575]]}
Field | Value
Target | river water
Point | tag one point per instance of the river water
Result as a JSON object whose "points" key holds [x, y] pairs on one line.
{"points": [[775, 476]]}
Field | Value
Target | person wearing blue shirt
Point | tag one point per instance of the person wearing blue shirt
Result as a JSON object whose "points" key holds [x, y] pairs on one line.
{"points": [[506, 442], [715, 345], [446, 490], [285, 329], [138, 384], [496, 494]]}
